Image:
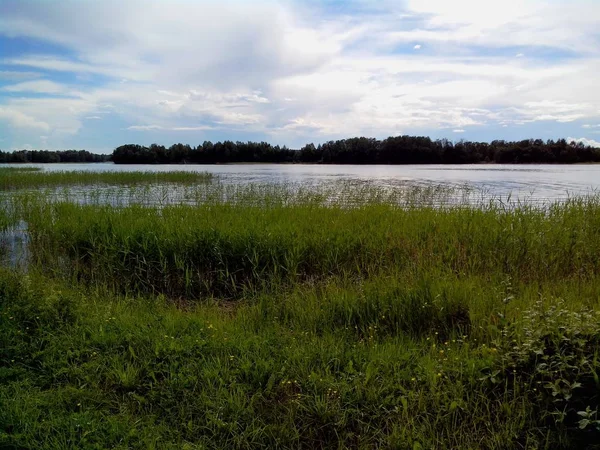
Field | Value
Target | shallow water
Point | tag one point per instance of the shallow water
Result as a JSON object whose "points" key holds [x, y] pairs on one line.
{"points": [[14, 246], [436, 185], [531, 183]]}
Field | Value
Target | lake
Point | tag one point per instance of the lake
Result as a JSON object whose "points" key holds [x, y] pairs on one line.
{"points": [[533, 183]]}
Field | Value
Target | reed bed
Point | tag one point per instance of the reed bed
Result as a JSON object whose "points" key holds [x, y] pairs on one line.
{"points": [[18, 178], [262, 317], [344, 193], [225, 249]]}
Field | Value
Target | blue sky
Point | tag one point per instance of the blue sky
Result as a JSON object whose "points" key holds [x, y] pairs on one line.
{"points": [[96, 74]]}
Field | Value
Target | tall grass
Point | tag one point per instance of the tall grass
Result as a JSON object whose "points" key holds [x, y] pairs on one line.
{"points": [[379, 364], [15, 178], [225, 249], [258, 317]]}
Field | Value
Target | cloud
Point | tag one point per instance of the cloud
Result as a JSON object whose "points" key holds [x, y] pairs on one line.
{"points": [[11, 75], [458, 131], [38, 87], [57, 64], [20, 120], [59, 115], [159, 127], [93, 118], [584, 141], [296, 72]]}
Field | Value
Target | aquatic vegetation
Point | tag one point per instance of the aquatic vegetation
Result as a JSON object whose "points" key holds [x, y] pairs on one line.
{"points": [[227, 249], [281, 317], [15, 178]]}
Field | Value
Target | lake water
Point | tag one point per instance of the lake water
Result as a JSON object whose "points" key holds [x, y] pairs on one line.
{"points": [[533, 183]]}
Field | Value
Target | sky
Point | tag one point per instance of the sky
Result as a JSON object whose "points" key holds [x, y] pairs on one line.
{"points": [[95, 74]]}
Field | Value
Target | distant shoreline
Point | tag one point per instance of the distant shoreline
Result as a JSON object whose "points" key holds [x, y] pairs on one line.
{"points": [[493, 163]]}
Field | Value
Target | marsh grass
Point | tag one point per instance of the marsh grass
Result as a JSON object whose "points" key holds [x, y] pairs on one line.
{"points": [[228, 249], [18, 178], [342, 365], [265, 318]]}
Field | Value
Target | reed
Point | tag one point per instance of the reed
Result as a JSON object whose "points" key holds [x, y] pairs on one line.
{"points": [[225, 249], [18, 178], [276, 317]]}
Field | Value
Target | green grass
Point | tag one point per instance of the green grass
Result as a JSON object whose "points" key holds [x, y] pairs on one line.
{"points": [[15, 178], [227, 249], [287, 321]]}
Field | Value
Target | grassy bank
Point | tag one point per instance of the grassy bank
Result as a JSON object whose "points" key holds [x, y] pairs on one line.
{"points": [[294, 322], [15, 178]]}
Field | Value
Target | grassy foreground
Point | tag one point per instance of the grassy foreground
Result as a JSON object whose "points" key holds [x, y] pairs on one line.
{"points": [[301, 325]]}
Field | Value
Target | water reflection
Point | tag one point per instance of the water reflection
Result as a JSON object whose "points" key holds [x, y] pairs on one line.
{"points": [[14, 248], [536, 182]]}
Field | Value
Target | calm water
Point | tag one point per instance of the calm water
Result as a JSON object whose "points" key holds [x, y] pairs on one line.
{"points": [[535, 183]]}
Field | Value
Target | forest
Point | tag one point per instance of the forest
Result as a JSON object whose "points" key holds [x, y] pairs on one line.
{"points": [[358, 150], [362, 150], [47, 156]]}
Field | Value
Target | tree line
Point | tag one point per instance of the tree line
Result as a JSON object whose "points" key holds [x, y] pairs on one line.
{"points": [[358, 150], [362, 150], [47, 156]]}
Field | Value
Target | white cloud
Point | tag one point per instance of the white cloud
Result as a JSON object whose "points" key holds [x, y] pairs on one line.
{"points": [[287, 70], [21, 120], [559, 24], [38, 86], [458, 131], [584, 141], [145, 127], [159, 127], [58, 115], [11, 75]]}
